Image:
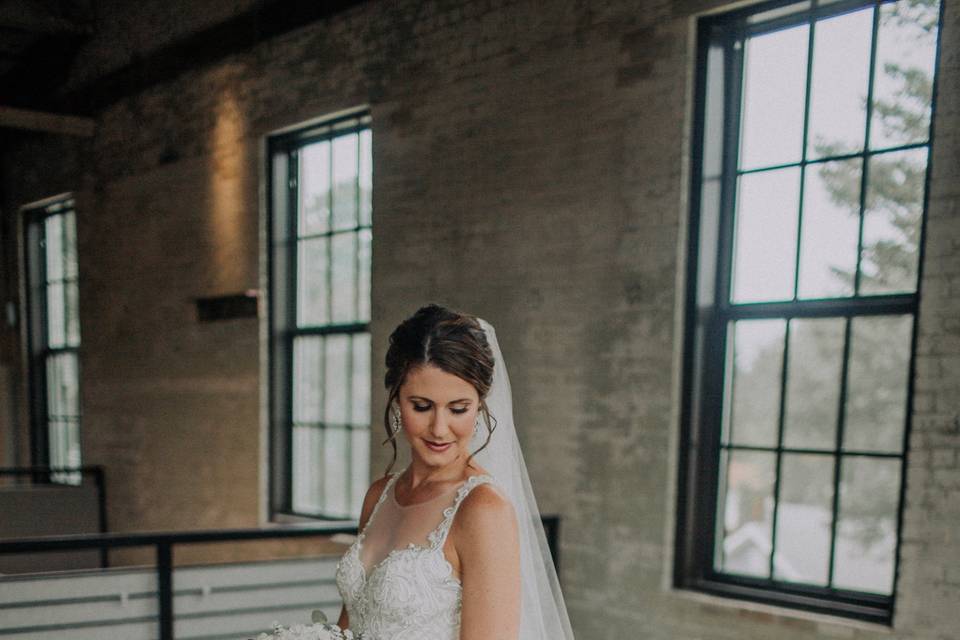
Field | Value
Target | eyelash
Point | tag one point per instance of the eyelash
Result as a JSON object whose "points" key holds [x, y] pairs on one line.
{"points": [[425, 407]]}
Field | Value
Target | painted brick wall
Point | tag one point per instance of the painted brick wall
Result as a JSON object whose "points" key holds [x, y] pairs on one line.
{"points": [[530, 166]]}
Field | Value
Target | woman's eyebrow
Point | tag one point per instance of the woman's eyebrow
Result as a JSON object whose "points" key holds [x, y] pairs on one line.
{"points": [[426, 399]]}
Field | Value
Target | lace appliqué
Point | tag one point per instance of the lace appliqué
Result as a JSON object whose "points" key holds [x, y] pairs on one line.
{"points": [[411, 594]]}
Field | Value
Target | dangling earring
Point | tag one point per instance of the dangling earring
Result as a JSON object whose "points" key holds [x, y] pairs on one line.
{"points": [[395, 422], [476, 425]]}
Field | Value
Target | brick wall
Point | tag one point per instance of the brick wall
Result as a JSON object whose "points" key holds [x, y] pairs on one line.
{"points": [[530, 165]]}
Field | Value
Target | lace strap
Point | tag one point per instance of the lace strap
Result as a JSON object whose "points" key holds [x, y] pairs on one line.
{"points": [[383, 496], [439, 535]]}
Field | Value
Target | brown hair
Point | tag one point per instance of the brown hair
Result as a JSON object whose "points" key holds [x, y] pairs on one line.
{"points": [[449, 340]]}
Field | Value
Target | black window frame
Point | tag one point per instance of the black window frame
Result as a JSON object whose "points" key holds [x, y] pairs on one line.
{"points": [[36, 336], [281, 236], [708, 311]]}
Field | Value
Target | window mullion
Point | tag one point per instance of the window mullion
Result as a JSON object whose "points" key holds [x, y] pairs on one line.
{"points": [[838, 447], [733, 92], [803, 155], [784, 368], [293, 311], [865, 165]]}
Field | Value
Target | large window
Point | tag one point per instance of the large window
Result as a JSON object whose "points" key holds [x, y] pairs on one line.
{"points": [[53, 335], [809, 189], [321, 233]]}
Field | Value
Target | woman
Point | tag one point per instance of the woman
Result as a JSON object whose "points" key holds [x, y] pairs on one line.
{"points": [[451, 548]]}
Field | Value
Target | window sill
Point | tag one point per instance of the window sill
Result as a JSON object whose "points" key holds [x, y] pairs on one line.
{"points": [[822, 624]]}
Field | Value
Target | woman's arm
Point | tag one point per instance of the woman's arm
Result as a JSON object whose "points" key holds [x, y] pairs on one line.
{"points": [[488, 546], [369, 500], [343, 621]]}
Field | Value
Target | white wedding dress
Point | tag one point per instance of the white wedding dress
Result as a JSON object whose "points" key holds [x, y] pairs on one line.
{"points": [[394, 579]]}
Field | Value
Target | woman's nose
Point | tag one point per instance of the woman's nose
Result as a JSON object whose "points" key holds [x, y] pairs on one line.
{"points": [[438, 426]]}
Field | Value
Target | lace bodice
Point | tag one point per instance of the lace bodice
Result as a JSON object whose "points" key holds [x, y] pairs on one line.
{"points": [[411, 592]]}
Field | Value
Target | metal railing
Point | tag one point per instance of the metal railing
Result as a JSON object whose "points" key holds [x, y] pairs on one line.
{"points": [[165, 542]]}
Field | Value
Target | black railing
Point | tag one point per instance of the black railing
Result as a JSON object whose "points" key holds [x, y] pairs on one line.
{"points": [[164, 543]]}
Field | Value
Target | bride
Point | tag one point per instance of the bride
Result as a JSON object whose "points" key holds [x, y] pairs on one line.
{"points": [[452, 547]]}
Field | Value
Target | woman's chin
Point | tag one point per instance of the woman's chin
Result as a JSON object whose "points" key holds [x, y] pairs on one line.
{"points": [[437, 457]]}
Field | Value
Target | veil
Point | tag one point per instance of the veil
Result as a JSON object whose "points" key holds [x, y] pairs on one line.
{"points": [[543, 615]]}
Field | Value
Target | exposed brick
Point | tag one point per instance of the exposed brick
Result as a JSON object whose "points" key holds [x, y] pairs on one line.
{"points": [[530, 166]]}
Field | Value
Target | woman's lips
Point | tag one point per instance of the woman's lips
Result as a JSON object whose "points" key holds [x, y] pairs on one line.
{"points": [[435, 447]]}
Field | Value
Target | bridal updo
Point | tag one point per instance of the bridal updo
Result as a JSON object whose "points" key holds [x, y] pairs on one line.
{"points": [[453, 342]]}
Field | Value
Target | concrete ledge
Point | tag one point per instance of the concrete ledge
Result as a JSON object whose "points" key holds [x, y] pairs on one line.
{"points": [[824, 625]]}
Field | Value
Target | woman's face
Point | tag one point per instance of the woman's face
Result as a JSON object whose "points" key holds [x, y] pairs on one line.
{"points": [[439, 411]]}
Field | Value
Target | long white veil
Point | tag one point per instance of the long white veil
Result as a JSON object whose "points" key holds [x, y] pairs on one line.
{"points": [[543, 615]]}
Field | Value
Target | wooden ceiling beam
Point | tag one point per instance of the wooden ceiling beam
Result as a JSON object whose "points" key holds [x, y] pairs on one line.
{"points": [[12, 118]]}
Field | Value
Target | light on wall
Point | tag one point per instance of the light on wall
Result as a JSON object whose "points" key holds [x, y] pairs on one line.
{"points": [[229, 207]]}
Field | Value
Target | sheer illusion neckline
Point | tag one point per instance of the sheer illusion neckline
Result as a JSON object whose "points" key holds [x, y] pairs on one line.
{"points": [[396, 503]]}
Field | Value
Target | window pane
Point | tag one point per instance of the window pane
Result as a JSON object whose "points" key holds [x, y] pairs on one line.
{"points": [[364, 262], [757, 362], [306, 478], [312, 282], [830, 226], [64, 449], [814, 368], [360, 465], [314, 214], [63, 384], [336, 474], [804, 519], [766, 236], [55, 400], [345, 167], [366, 178], [360, 413], [838, 90], [58, 443], [336, 383], [307, 379], [70, 245], [56, 322], [53, 247], [72, 312], [891, 223], [903, 76], [867, 524], [877, 383], [775, 69], [746, 508], [344, 294]]}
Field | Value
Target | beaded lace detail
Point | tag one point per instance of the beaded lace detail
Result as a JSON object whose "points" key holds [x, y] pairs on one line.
{"points": [[411, 594]]}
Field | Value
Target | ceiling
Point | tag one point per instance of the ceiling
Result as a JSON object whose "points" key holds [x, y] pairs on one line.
{"points": [[38, 41]]}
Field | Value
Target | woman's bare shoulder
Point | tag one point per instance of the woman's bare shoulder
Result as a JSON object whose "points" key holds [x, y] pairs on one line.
{"points": [[486, 508]]}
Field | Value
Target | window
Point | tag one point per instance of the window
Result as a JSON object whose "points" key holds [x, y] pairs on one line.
{"points": [[811, 149], [320, 260], [53, 335]]}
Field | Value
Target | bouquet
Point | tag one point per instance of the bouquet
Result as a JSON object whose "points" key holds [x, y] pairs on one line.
{"points": [[319, 630]]}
